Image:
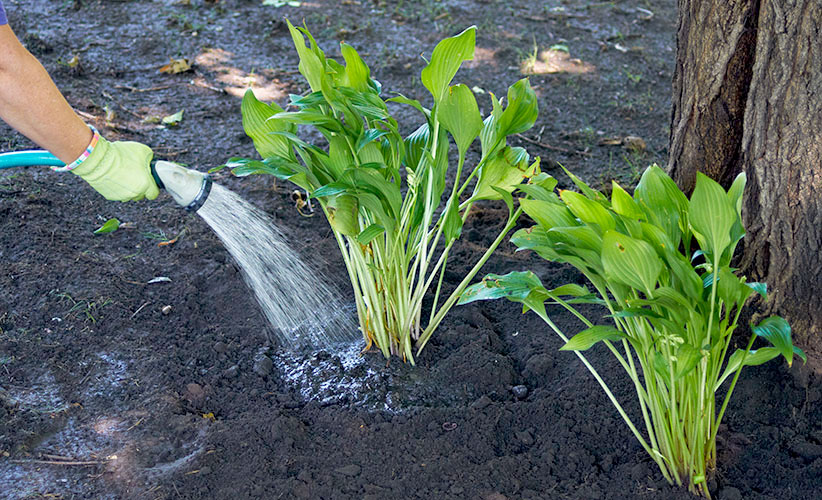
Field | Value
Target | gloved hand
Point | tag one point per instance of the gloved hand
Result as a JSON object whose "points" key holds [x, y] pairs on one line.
{"points": [[120, 171]]}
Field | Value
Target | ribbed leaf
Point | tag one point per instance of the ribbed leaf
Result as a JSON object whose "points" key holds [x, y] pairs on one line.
{"points": [[687, 357], [452, 224], [369, 233], [514, 286], [342, 214], [778, 332], [548, 214], [505, 170], [459, 114], [755, 357], [311, 66], [258, 127], [446, 59], [521, 111], [368, 136], [357, 73], [760, 288], [489, 135], [662, 202], [587, 210], [584, 188], [630, 261], [623, 204], [586, 339], [711, 215]]}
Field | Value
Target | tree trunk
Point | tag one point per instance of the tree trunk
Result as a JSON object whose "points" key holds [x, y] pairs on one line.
{"points": [[755, 105]]}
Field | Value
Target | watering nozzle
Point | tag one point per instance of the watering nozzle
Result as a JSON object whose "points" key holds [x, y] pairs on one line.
{"points": [[189, 188]]}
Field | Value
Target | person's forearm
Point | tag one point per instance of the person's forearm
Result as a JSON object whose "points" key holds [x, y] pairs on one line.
{"points": [[31, 103]]}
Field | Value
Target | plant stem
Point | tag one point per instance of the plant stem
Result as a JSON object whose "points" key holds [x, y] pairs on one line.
{"points": [[455, 295]]}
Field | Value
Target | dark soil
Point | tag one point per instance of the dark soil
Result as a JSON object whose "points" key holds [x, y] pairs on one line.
{"points": [[157, 405]]}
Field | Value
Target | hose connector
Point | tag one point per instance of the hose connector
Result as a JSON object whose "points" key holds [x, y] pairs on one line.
{"points": [[189, 188]]}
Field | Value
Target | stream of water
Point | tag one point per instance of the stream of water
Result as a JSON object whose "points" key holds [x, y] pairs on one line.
{"points": [[301, 309]]}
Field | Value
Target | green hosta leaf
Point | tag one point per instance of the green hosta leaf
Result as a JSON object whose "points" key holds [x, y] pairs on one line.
{"points": [[369, 233], [755, 357], [778, 332], [109, 226], [712, 215], [342, 214], [339, 157], [587, 190], [368, 181], [357, 73], [735, 192], [689, 282], [540, 187], [452, 224], [587, 210], [636, 312], [522, 109], [368, 136], [586, 339], [571, 289], [507, 197], [332, 189], [515, 286], [623, 204], [459, 114], [535, 239], [731, 289], [630, 261], [548, 214], [535, 192], [658, 239], [415, 145], [760, 288], [489, 135], [311, 64], [505, 170], [401, 99], [446, 59], [662, 202], [687, 357], [577, 237], [279, 168], [257, 126]]}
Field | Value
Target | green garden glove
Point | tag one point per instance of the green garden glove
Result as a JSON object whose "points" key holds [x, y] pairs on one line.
{"points": [[120, 171]]}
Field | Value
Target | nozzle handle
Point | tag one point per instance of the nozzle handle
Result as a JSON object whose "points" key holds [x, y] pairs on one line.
{"points": [[155, 176]]}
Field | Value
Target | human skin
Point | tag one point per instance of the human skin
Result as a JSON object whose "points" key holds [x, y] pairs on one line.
{"points": [[31, 103]]}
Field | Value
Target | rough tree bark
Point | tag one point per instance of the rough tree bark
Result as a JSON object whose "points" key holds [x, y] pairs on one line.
{"points": [[748, 97]]}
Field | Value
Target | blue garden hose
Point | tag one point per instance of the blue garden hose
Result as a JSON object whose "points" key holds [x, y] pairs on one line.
{"points": [[29, 159]]}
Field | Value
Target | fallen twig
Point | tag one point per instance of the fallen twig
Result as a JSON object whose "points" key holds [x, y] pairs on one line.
{"points": [[550, 147], [60, 462], [139, 309], [149, 89]]}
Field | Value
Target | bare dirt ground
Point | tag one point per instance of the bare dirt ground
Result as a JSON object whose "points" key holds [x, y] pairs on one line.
{"points": [[104, 396]]}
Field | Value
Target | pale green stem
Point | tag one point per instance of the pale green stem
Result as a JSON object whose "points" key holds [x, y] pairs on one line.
{"points": [[455, 295]]}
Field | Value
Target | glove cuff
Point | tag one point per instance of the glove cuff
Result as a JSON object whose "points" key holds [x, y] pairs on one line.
{"points": [[95, 138]]}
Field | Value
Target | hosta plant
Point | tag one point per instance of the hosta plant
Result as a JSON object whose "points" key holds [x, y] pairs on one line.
{"points": [[385, 196], [661, 265]]}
